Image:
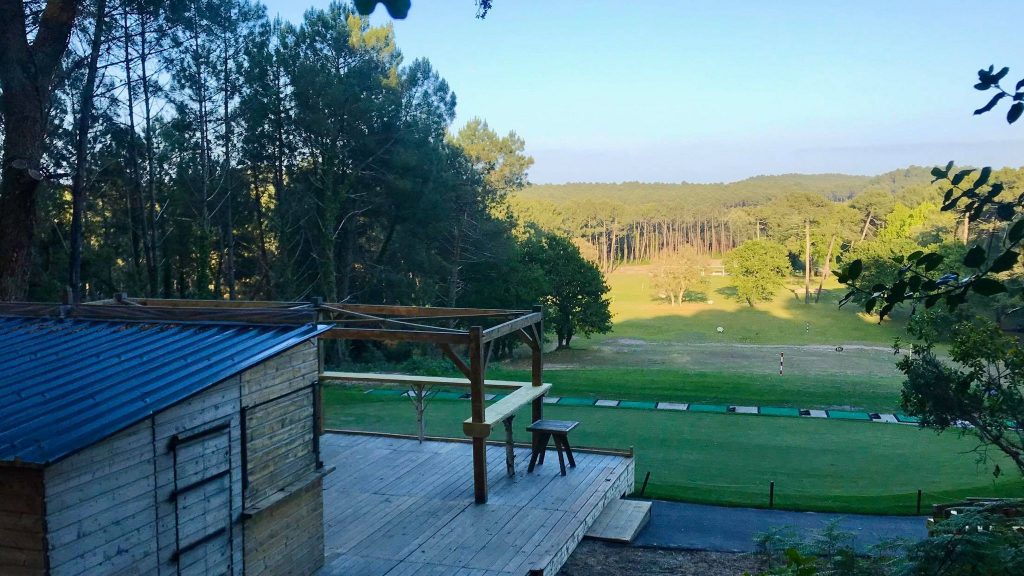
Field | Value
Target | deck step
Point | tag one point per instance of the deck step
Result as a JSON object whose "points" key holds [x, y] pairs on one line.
{"points": [[621, 521]]}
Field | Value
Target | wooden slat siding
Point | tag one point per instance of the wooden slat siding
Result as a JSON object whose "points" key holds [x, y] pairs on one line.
{"points": [[22, 528], [99, 507], [293, 530], [293, 369], [214, 406], [287, 536]]}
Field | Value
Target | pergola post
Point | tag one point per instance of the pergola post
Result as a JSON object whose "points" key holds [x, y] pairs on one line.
{"points": [[537, 355], [476, 389]]}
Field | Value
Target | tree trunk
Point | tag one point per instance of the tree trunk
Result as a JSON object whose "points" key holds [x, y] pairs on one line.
{"points": [[867, 222], [155, 227], [807, 261], [78, 191], [967, 228], [229, 230], [25, 107], [827, 268], [135, 188]]}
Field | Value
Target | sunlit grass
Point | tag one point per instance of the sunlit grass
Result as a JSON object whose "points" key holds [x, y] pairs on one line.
{"points": [[730, 459], [638, 313]]}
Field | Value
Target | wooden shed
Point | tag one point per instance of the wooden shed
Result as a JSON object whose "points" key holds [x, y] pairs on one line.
{"points": [[155, 441]]}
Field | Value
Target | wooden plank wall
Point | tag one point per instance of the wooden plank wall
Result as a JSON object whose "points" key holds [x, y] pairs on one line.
{"points": [[278, 400], [22, 536], [215, 406], [100, 516]]}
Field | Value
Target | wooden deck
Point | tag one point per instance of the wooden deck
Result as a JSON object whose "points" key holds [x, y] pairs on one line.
{"points": [[396, 507]]}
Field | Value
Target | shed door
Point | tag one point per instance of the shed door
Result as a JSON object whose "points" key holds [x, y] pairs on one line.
{"points": [[202, 499]]}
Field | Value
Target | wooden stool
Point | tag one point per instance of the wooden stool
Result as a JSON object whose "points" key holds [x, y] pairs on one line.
{"points": [[544, 430]]}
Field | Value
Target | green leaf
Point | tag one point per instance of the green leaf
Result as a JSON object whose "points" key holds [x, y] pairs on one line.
{"points": [[914, 284], [975, 257], [915, 255], [854, 269], [959, 176], [955, 300], [1005, 261], [1001, 74], [930, 261], [931, 300], [1020, 84], [1016, 231], [845, 299], [938, 173], [991, 103], [1014, 112], [870, 305], [1006, 211], [988, 286], [983, 177]]}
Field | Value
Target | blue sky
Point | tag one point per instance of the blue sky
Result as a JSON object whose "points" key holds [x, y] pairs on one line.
{"points": [[707, 91]]}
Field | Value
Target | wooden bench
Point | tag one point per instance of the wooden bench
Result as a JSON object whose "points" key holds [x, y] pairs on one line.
{"points": [[545, 430]]}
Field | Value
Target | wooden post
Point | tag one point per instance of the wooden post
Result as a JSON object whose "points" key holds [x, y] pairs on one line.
{"points": [[319, 399], [510, 448], [537, 376], [476, 390]]}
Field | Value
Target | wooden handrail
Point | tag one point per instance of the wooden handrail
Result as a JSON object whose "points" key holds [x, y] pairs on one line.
{"points": [[409, 379], [502, 409]]}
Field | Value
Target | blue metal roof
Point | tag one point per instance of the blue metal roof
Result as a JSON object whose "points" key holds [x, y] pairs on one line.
{"points": [[66, 384]]}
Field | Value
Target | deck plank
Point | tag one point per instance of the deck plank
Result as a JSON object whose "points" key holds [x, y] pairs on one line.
{"points": [[396, 507]]}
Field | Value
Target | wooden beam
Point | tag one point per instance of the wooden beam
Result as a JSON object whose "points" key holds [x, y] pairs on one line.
{"points": [[478, 413], [449, 353], [425, 311], [193, 314], [527, 338], [512, 326], [410, 380], [389, 335], [537, 363], [184, 303]]}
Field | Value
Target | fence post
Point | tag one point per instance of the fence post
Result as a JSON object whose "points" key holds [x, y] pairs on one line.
{"points": [[919, 502], [771, 494]]}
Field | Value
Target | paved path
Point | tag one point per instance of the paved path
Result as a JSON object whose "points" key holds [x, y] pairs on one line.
{"points": [[724, 529]]}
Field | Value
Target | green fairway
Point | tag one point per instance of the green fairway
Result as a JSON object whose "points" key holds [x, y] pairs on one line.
{"points": [[639, 313], [662, 385], [730, 459]]}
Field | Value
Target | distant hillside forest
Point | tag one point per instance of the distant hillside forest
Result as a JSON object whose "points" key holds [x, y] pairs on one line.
{"points": [[635, 222]]}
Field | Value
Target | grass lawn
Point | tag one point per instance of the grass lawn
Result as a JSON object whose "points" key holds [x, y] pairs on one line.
{"points": [[798, 391], [729, 459], [639, 313]]}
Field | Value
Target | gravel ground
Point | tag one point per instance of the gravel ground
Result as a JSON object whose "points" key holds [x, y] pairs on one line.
{"points": [[593, 558]]}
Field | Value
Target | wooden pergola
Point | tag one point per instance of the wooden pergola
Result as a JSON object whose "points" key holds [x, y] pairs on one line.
{"points": [[388, 323]]}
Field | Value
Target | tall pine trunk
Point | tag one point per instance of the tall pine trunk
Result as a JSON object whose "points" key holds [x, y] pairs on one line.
{"points": [[25, 107], [78, 191]]}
